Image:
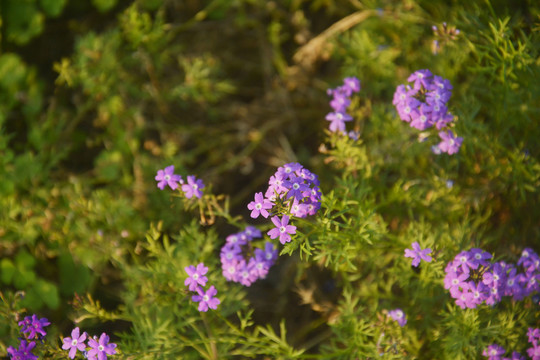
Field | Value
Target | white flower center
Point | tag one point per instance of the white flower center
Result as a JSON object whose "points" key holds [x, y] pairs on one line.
{"points": [[268, 256], [258, 206], [296, 186], [477, 256], [74, 342], [496, 277], [195, 276], [195, 187], [167, 177], [101, 348], [206, 298], [282, 229]]}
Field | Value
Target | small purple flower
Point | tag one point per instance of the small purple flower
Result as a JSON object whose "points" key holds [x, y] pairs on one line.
{"points": [[296, 187], [450, 143], [206, 299], [421, 78], [193, 187], [534, 352], [34, 326], [100, 349], [533, 334], [247, 273], [516, 356], [494, 352], [351, 85], [399, 316], [252, 232], [418, 254], [282, 229], [337, 121], [230, 252], [269, 254], [196, 276], [74, 343], [167, 177], [260, 206], [340, 102]]}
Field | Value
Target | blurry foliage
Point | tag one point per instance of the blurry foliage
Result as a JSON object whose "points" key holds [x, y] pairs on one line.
{"points": [[228, 90]]}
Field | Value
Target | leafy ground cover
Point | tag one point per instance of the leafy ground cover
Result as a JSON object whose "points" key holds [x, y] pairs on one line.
{"points": [[330, 179]]}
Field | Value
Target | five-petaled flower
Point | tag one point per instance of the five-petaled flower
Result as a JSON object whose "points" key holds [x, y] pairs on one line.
{"points": [[206, 299], [193, 187], [100, 348], [168, 177], [282, 229], [196, 276], [74, 343], [418, 254], [260, 206]]}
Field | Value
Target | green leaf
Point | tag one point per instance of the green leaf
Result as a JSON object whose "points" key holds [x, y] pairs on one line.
{"points": [[104, 5], [74, 278], [7, 270], [53, 8], [48, 293], [24, 260]]}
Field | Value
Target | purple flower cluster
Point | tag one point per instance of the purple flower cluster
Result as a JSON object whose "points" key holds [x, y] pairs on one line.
{"points": [[496, 352], [193, 187], [97, 349], [424, 105], [472, 279], [195, 282], [399, 316], [292, 191], [33, 328], [236, 267], [341, 99]]}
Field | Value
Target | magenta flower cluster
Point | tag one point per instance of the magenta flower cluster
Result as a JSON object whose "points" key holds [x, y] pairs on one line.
{"points": [[424, 105], [167, 177], [236, 264], [96, 349], [472, 279], [341, 99], [292, 191], [195, 282], [32, 328], [496, 352], [534, 340]]}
